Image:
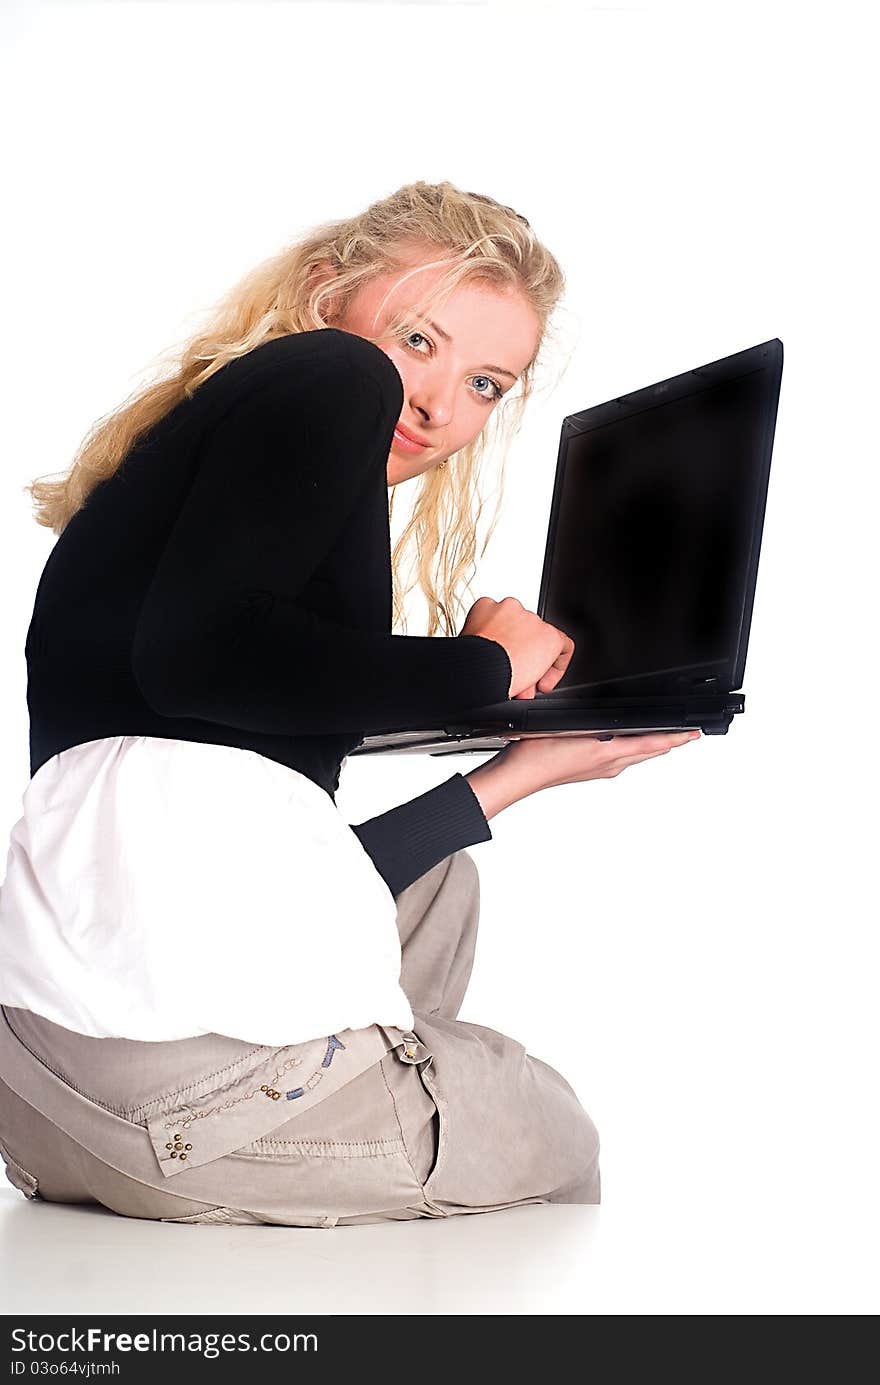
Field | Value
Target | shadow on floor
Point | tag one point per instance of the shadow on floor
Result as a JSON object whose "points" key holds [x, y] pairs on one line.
{"points": [[56, 1258]]}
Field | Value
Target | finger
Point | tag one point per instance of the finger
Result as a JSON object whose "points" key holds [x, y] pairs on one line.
{"points": [[563, 658], [655, 740], [547, 682], [625, 760], [617, 767], [637, 759], [551, 677]]}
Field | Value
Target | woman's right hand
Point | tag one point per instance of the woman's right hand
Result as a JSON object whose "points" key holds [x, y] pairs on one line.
{"points": [[532, 763], [539, 654], [543, 762]]}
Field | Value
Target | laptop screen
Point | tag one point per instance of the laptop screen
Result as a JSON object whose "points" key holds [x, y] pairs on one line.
{"points": [[656, 527]]}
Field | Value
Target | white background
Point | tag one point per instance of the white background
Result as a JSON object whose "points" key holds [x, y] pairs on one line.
{"points": [[694, 944]]}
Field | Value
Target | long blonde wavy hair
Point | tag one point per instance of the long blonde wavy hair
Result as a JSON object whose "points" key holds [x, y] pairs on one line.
{"points": [[477, 240]]}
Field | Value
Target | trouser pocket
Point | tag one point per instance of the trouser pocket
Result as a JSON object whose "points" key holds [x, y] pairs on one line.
{"points": [[279, 1086], [421, 1108]]}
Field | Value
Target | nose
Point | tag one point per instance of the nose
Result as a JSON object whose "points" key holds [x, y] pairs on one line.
{"points": [[432, 397]]}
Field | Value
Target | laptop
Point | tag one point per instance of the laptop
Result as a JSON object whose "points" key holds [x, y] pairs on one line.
{"points": [[650, 564]]}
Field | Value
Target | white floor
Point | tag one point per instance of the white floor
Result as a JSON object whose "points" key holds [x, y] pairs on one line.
{"points": [[530, 1260]]}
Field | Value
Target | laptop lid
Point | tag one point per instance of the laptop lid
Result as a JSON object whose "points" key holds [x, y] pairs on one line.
{"points": [[655, 529]]}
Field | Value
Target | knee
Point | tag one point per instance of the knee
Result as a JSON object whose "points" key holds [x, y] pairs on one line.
{"points": [[455, 872], [591, 1142], [463, 869], [464, 878], [582, 1183], [588, 1184]]}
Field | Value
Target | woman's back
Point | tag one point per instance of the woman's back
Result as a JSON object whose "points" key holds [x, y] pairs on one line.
{"points": [[209, 635], [79, 647]]}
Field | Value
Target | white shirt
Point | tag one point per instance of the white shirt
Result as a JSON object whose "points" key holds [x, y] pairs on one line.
{"points": [[158, 889]]}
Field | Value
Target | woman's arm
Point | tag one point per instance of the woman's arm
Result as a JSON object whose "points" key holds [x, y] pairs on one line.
{"points": [[222, 634], [406, 841], [500, 782]]}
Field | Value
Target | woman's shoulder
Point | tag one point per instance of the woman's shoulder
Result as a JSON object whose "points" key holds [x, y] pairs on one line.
{"points": [[274, 363]]}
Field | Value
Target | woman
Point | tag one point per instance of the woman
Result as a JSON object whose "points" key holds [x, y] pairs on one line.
{"points": [[221, 1002]]}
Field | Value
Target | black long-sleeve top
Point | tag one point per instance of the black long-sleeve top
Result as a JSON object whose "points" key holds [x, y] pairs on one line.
{"points": [[231, 583]]}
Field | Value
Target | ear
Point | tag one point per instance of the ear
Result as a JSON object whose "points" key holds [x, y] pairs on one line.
{"points": [[320, 273]]}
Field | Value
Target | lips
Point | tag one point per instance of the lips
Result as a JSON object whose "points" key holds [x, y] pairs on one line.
{"points": [[410, 436]]}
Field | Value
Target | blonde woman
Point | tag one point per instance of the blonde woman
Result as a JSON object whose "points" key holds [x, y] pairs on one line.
{"points": [[220, 1001]]}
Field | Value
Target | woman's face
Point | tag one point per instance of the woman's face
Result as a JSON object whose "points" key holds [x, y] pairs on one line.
{"points": [[454, 368]]}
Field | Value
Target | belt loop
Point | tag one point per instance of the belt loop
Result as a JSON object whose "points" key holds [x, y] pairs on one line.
{"points": [[413, 1050]]}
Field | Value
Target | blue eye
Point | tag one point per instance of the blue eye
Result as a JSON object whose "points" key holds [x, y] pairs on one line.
{"points": [[497, 391]]}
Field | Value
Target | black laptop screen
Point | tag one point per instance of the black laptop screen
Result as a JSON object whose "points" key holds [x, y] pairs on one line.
{"points": [[655, 517]]}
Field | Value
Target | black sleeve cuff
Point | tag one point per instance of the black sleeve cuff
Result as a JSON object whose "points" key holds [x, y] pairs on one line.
{"points": [[408, 840]]}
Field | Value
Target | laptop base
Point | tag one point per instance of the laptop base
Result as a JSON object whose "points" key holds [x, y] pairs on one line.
{"points": [[529, 717]]}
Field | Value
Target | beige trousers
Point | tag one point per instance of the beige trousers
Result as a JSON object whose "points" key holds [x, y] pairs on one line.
{"points": [[365, 1125]]}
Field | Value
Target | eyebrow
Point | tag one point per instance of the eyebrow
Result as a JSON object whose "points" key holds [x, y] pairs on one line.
{"points": [[499, 369]]}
